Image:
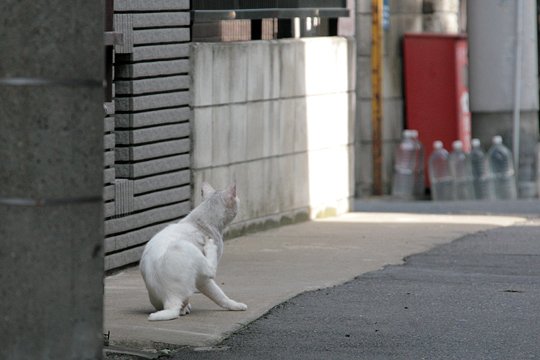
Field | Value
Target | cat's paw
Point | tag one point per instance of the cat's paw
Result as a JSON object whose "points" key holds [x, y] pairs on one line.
{"points": [[237, 306], [185, 310]]}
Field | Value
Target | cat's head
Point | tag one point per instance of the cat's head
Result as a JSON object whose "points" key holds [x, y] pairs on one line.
{"points": [[225, 200]]}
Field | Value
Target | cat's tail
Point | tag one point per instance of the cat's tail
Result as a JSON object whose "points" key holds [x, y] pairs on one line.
{"points": [[167, 314]]}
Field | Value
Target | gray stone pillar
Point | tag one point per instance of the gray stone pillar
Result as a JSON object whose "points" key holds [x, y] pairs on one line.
{"points": [[492, 58], [51, 181]]}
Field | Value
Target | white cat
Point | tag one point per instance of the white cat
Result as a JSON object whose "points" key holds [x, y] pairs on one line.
{"points": [[183, 257]]}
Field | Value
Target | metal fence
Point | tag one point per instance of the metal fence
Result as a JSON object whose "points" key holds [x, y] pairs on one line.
{"points": [[234, 20]]}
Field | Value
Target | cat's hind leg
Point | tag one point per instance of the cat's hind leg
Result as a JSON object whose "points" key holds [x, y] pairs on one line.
{"points": [[166, 314], [209, 288], [172, 310]]}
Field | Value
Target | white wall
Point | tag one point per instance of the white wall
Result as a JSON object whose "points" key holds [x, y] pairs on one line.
{"points": [[277, 118]]}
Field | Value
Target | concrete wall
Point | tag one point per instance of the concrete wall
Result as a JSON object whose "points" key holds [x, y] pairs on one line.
{"points": [[405, 16], [51, 213], [276, 117]]}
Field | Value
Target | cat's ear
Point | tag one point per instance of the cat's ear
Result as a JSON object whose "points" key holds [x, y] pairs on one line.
{"points": [[207, 190], [231, 190]]}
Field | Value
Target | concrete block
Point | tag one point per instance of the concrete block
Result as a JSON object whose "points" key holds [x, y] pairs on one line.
{"points": [[392, 123], [108, 158], [143, 86], [238, 174], [150, 167], [301, 181], [259, 75], [288, 68], [363, 34], [160, 52], [441, 22], [149, 217], [287, 119], [271, 125], [272, 185], [432, 6], [160, 35], [155, 150], [400, 24], [238, 132], [300, 67], [150, 102], [154, 117], [363, 7], [109, 175], [149, 69], [162, 181], [221, 70], [275, 69], [285, 193], [238, 72], [255, 126], [161, 19], [145, 135], [160, 198], [156, 5], [392, 79], [325, 65], [202, 138], [256, 194], [109, 141], [220, 135], [220, 177], [329, 176], [132, 238], [406, 6], [328, 120], [301, 124]]}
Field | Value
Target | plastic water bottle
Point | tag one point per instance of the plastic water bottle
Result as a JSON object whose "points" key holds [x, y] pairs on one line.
{"points": [[439, 173], [460, 168], [482, 178], [419, 185], [403, 183], [502, 167]]}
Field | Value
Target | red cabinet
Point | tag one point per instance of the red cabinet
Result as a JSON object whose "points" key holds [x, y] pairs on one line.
{"points": [[436, 91]]}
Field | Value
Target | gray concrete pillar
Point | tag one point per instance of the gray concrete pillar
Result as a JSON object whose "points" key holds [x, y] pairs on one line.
{"points": [[492, 30], [51, 181]]}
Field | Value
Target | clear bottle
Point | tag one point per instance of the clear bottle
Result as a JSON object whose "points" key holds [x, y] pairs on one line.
{"points": [[439, 173], [403, 182], [460, 168], [419, 184], [482, 179], [501, 166]]}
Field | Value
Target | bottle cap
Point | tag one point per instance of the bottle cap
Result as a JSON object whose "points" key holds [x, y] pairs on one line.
{"points": [[457, 145], [408, 134], [437, 144], [497, 140], [475, 142]]}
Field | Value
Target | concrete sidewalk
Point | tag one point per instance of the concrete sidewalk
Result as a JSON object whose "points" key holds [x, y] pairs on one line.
{"points": [[267, 268]]}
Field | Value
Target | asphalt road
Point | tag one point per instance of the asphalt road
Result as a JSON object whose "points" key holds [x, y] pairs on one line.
{"points": [[476, 298]]}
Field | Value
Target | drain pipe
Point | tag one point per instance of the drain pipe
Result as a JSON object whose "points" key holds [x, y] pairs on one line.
{"points": [[517, 83]]}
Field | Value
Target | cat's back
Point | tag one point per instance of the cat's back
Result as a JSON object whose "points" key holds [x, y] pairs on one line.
{"points": [[172, 236]]}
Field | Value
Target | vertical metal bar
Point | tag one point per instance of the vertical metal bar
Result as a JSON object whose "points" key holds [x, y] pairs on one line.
{"points": [[256, 29], [376, 88], [517, 84]]}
